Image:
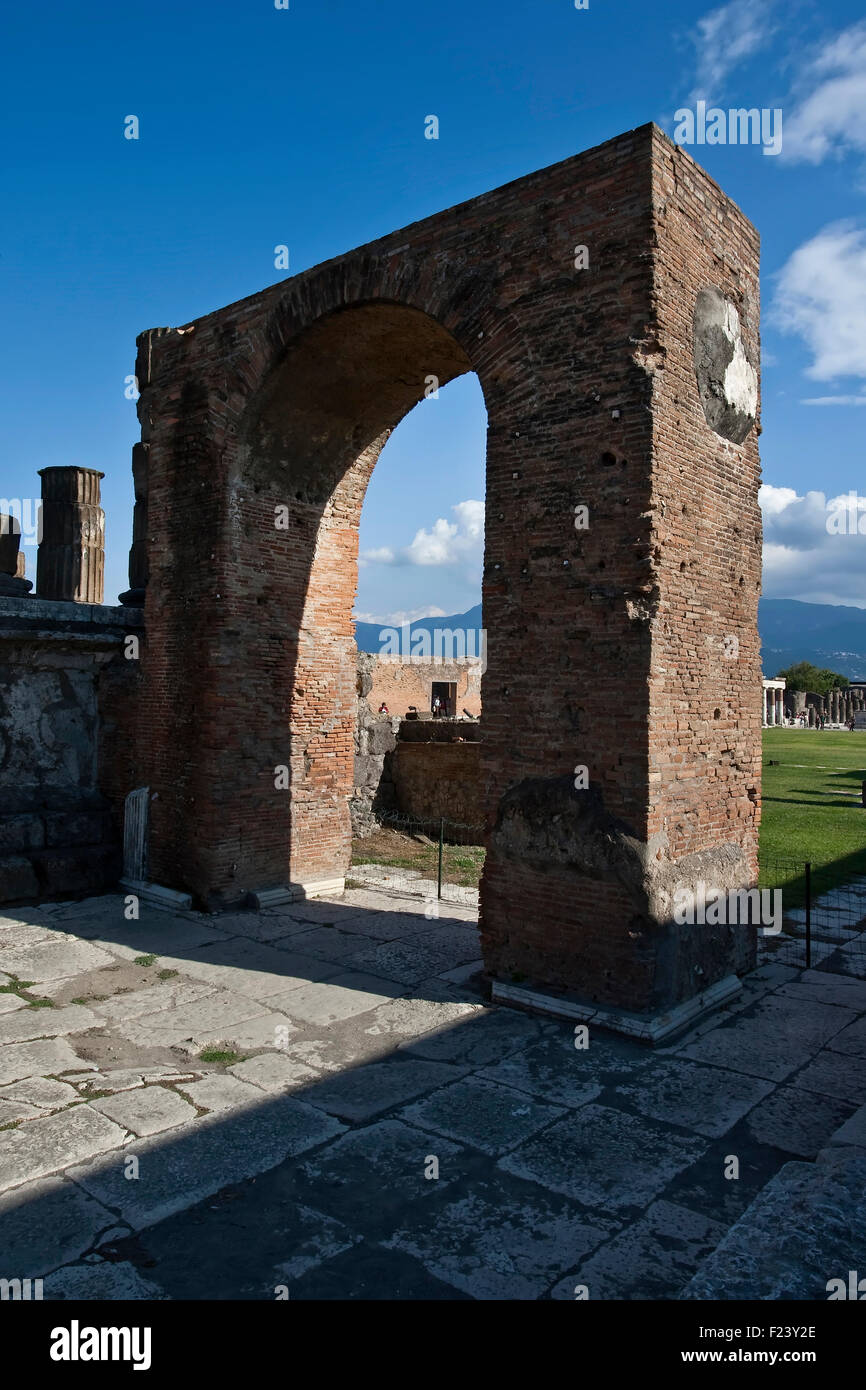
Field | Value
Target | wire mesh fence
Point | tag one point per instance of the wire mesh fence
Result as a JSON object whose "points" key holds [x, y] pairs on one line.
{"points": [[433, 858], [821, 910], [812, 913]]}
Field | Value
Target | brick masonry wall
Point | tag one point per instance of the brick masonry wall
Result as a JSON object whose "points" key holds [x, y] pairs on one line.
{"points": [[439, 780], [401, 684], [285, 400]]}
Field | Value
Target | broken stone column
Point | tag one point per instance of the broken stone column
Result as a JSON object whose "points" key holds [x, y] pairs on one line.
{"points": [[138, 572], [12, 581], [71, 560]]}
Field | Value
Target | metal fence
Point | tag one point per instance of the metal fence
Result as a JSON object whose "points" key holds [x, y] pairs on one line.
{"points": [[433, 858], [815, 913], [822, 909]]}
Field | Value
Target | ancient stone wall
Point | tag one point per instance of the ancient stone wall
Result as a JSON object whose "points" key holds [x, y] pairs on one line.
{"points": [[59, 831], [436, 780]]}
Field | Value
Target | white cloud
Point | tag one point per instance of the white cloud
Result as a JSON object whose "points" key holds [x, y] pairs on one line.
{"points": [[446, 543], [829, 110], [805, 560], [821, 296], [411, 615], [835, 400], [726, 37]]}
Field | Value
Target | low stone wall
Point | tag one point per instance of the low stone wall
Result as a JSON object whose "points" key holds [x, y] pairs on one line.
{"points": [[436, 780], [60, 833]]}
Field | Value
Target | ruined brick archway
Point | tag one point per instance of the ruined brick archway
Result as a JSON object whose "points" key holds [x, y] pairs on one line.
{"points": [[607, 647]]}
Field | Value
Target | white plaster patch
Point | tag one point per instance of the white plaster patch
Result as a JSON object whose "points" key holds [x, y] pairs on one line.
{"points": [[740, 384]]}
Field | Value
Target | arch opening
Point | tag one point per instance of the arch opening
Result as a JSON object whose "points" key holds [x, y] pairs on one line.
{"points": [[306, 451]]}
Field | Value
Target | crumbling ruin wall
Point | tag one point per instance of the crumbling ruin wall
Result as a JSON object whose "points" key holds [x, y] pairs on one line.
{"points": [[60, 833], [375, 740]]}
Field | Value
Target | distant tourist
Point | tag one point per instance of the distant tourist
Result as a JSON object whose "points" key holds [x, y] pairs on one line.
{"points": [[383, 708], [437, 707]]}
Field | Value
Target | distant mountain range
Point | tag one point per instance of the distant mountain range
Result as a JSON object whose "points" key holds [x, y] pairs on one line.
{"points": [[367, 635], [826, 634]]}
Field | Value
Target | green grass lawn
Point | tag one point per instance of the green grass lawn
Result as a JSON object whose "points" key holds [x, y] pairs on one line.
{"points": [[811, 808]]}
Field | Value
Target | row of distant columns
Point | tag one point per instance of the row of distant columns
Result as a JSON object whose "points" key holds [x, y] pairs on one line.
{"points": [[70, 562], [774, 708]]}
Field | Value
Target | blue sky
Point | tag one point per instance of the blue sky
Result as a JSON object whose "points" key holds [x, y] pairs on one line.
{"points": [[305, 127]]}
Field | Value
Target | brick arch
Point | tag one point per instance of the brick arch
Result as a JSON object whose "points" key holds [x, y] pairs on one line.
{"points": [[608, 646], [306, 447]]}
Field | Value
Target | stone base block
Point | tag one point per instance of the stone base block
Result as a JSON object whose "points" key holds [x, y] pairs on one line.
{"points": [[648, 1028], [11, 587], [297, 892], [156, 894]]}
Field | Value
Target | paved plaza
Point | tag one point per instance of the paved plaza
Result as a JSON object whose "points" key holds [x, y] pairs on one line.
{"points": [[317, 1101]]}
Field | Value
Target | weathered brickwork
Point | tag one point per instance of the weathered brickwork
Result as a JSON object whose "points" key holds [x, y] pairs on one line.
{"points": [[437, 781], [403, 683], [262, 424]]}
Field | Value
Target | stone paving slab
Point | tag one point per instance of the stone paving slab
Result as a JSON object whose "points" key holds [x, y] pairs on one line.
{"points": [[367, 1091], [54, 960], [342, 997], [46, 1095], [20, 936], [257, 926], [45, 1058], [209, 1015], [373, 1174], [103, 1281], [223, 1093], [708, 1100], [413, 1018], [851, 1041], [652, 1259], [503, 1240], [166, 994], [184, 1167], [46, 1223], [54, 1142], [263, 1030], [796, 1122], [601, 1158], [132, 1078], [46, 1023], [10, 1002], [773, 1039], [805, 1228], [12, 1111], [832, 1074], [410, 962], [481, 1039], [481, 1114], [554, 1069], [319, 1238], [275, 1072], [246, 967], [827, 988], [172, 936], [146, 1111], [329, 943]]}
